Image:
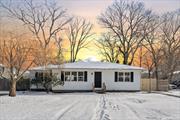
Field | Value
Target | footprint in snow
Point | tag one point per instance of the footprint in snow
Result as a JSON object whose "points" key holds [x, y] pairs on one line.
{"points": [[106, 117]]}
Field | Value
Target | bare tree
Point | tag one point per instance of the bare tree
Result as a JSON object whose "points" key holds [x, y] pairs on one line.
{"points": [[107, 45], [16, 57], [78, 33], [154, 46], [170, 38], [129, 23], [44, 21], [60, 51], [147, 62]]}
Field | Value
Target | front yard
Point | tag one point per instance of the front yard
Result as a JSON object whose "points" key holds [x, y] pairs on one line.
{"points": [[90, 106]]}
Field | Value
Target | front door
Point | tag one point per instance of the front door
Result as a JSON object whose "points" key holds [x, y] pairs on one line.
{"points": [[97, 79]]}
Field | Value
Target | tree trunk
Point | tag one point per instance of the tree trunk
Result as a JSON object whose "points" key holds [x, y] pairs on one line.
{"points": [[12, 91], [149, 74], [157, 79], [149, 85], [125, 61]]}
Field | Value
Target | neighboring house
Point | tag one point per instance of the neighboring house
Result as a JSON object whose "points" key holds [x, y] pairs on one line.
{"points": [[83, 76], [4, 82]]}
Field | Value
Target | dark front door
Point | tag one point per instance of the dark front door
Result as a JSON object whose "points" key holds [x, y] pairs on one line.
{"points": [[97, 79]]}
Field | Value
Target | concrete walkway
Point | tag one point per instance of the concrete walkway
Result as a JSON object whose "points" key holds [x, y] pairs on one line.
{"points": [[4, 93]]}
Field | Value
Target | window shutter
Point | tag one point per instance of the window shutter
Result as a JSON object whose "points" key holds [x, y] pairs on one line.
{"points": [[115, 76], [132, 76], [62, 76], [36, 74], [85, 76], [51, 73]]}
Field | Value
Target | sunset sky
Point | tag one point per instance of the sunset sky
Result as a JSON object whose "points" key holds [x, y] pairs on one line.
{"points": [[91, 9]]}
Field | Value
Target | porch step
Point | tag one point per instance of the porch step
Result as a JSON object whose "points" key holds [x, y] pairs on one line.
{"points": [[98, 90]]}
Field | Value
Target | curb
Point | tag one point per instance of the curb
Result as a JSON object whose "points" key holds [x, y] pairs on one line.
{"points": [[167, 94]]}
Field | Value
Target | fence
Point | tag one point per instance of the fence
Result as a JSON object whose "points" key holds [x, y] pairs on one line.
{"points": [[21, 84], [4, 84], [163, 85], [146, 86]]}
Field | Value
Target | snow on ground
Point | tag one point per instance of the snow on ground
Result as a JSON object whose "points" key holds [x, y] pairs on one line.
{"points": [[175, 92], [90, 106], [4, 93]]}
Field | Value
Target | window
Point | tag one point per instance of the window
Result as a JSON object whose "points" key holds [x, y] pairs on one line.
{"points": [[39, 75], [124, 76], [127, 77], [80, 76], [74, 76], [67, 76], [56, 75], [120, 76]]}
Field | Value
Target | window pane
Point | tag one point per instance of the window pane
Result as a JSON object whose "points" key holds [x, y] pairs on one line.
{"points": [[80, 73], [67, 73], [127, 73], [41, 76], [120, 73], [67, 76], [120, 78], [74, 73], [80, 76], [127, 77], [74, 76]]}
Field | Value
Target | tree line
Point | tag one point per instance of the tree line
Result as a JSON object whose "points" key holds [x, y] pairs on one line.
{"points": [[131, 30], [134, 30]]}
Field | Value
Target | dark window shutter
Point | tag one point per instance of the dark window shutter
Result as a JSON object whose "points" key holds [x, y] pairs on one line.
{"points": [[85, 76], [115, 76], [36, 74], [62, 76], [132, 76], [51, 73]]}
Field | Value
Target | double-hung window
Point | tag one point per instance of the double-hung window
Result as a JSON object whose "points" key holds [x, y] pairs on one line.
{"points": [[127, 77], [120, 76], [74, 76], [67, 76], [124, 76], [80, 76]]}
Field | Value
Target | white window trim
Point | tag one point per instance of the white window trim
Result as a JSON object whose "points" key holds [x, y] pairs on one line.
{"points": [[118, 76], [73, 76], [124, 76], [81, 76], [67, 76], [129, 76], [77, 76]]}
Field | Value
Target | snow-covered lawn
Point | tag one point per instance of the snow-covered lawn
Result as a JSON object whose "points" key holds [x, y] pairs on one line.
{"points": [[90, 106], [4, 93], [175, 92]]}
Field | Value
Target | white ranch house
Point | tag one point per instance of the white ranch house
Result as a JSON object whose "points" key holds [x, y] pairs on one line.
{"points": [[83, 76]]}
